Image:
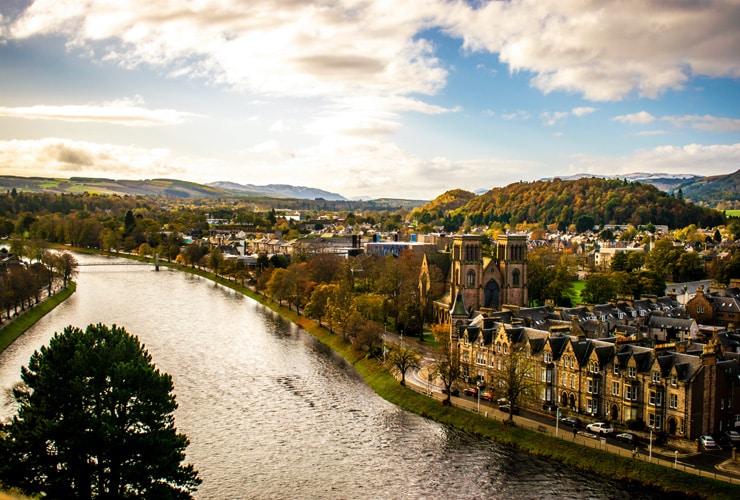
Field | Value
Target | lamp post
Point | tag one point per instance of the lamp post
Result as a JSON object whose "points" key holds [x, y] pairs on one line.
{"points": [[650, 449], [675, 459], [557, 419], [478, 385]]}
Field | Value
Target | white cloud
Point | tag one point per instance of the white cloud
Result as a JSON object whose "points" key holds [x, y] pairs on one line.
{"points": [[607, 49], [519, 114], [128, 112], [641, 118], [705, 122], [279, 126], [553, 118], [699, 159], [583, 111]]}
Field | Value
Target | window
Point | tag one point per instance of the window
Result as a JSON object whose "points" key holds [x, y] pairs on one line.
{"points": [[656, 377], [674, 380], [471, 279], [572, 381], [506, 348], [592, 386], [630, 393], [593, 367], [498, 347], [656, 398], [700, 309], [548, 357], [615, 388], [616, 369], [480, 358], [565, 380], [591, 406], [466, 357], [515, 278], [673, 401], [654, 421], [498, 364], [544, 375], [632, 371]]}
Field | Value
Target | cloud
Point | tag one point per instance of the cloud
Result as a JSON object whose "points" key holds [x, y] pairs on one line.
{"points": [[699, 159], [583, 111], [553, 118], [127, 112], [519, 114], [606, 49], [641, 118], [705, 122]]}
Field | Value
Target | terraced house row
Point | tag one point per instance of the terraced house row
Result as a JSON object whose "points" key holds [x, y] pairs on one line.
{"points": [[644, 363]]}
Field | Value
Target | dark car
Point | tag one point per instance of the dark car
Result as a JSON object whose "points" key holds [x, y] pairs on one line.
{"points": [[454, 391], [627, 437], [470, 391], [506, 406], [571, 421]]}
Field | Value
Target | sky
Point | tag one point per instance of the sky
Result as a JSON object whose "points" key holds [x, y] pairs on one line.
{"points": [[401, 99]]}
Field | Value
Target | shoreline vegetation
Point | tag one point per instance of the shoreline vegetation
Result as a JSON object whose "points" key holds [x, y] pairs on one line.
{"points": [[385, 385]]}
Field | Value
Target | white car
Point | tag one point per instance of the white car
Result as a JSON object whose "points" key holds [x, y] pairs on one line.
{"points": [[734, 436], [707, 442], [599, 428]]}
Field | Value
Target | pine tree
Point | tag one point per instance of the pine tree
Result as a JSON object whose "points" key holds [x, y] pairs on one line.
{"points": [[95, 420]]}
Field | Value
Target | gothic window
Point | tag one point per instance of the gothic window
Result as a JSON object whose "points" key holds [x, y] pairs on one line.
{"points": [[471, 279], [515, 278]]}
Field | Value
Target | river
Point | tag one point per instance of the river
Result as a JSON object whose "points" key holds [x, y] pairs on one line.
{"points": [[273, 414]]}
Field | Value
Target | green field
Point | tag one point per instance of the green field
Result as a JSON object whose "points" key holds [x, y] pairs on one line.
{"points": [[732, 213]]}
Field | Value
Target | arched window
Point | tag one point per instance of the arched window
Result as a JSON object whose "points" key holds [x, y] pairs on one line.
{"points": [[515, 278], [471, 279]]}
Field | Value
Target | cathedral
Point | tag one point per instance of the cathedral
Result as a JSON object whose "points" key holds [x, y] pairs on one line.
{"points": [[468, 281]]}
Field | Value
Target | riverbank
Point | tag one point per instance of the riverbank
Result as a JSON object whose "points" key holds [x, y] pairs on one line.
{"points": [[10, 331]]}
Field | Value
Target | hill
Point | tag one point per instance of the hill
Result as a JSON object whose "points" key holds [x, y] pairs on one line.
{"points": [[721, 191], [159, 187], [562, 202]]}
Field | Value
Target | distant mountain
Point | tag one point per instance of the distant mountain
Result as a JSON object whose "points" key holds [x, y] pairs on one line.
{"points": [[664, 182], [279, 190], [160, 187]]}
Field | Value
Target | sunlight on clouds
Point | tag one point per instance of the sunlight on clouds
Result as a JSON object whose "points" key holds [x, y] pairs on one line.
{"points": [[128, 112], [640, 118]]}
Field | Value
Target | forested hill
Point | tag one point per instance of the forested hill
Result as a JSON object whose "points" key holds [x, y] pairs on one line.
{"points": [[607, 201], [718, 190]]}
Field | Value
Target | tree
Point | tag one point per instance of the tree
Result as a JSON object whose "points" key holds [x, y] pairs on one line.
{"points": [[402, 358], [599, 288], [95, 420], [518, 376], [446, 365]]}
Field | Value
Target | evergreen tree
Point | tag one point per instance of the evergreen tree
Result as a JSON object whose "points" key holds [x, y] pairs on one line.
{"points": [[95, 420]]}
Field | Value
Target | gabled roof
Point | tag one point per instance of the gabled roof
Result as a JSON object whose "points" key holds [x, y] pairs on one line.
{"points": [[582, 349], [557, 345], [458, 308]]}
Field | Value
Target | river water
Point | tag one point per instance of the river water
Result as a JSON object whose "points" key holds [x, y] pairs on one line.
{"points": [[273, 414]]}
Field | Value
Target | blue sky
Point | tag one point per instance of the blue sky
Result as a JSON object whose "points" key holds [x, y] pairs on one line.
{"points": [[369, 98]]}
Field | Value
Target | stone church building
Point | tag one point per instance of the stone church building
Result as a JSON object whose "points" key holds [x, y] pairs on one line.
{"points": [[484, 283]]}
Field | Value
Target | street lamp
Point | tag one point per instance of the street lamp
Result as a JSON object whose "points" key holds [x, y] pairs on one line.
{"points": [[478, 385], [650, 452], [557, 419]]}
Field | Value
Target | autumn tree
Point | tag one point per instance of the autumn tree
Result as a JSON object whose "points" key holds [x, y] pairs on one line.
{"points": [[95, 420], [403, 357], [446, 365], [518, 377]]}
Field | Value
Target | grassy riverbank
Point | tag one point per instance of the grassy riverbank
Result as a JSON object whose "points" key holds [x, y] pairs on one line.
{"points": [[17, 326]]}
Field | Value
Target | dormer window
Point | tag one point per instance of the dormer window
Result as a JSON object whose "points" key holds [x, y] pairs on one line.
{"points": [[656, 377], [674, 380], [593, 367], [632, 371], [548, 357], [616, 369]]}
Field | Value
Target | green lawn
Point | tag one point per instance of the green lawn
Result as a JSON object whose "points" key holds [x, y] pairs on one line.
{"points": [[732, 213], [575, 291]]}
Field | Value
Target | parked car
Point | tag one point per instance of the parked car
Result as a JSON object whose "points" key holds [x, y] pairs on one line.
{"points": [[470, 391], [599, 428], [454, 391], [722, 440], [733, 436], [627, 437], [707, 442], [505, 408], [571, 421], [487, 395]]}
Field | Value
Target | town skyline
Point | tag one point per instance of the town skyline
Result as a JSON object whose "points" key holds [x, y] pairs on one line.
{"points": [[368, 99]]}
